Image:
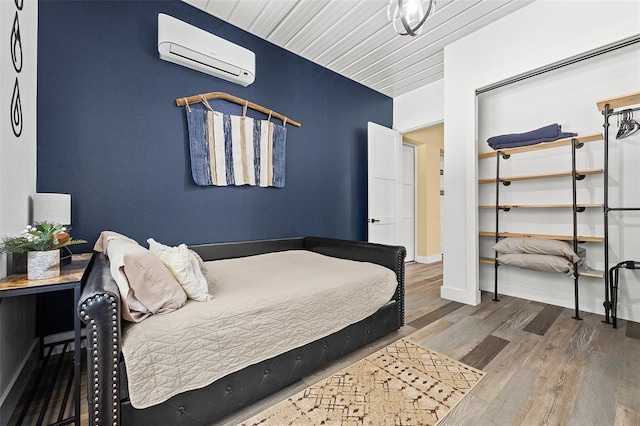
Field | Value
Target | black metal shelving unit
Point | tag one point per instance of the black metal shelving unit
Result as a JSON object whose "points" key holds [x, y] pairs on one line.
{"points": [[606, 106], [575, 174]]}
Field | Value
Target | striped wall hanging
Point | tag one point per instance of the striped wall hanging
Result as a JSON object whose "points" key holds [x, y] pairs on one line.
{"points": [[235, 150]]}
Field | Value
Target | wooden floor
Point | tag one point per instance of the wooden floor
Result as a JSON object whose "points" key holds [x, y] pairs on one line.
{"points": [[543, 367]]}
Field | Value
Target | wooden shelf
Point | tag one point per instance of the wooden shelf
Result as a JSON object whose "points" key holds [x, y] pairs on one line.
{"points": [[539, 206], [619, 101], [591, 273], [541, 176], [545, 236], [540, 146]]}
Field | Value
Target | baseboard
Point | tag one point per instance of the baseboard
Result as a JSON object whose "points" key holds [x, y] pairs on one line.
{"points": [[429, 259], [586, 304], [461, 296], [9, 400]]}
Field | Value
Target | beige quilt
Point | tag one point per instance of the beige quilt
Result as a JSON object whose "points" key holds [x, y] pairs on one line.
{"points": [[263, 306]]}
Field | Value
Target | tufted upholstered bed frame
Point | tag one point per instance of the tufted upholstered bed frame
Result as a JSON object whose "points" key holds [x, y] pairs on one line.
{"points": [[107, 393]]}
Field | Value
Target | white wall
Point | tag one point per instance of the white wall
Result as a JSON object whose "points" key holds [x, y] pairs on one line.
{"points": [[419, 108], [17, 180], [539, 34]]}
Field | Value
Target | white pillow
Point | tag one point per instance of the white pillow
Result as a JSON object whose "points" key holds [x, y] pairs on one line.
{"points": [[199, 268], [184, 266]]}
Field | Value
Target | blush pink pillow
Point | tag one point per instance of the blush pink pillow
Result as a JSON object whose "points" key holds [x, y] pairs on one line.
{"points": [[146, 285]]}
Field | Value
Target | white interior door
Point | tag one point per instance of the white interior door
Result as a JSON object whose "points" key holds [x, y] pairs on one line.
{"points": [[408, 228], [385, 185]]}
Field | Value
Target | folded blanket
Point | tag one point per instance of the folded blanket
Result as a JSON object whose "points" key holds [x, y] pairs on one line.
{"points": [[544, 134], [515, 144]]}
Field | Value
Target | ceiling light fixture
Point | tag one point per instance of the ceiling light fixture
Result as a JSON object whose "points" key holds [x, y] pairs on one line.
{"points": [[408, 16]]}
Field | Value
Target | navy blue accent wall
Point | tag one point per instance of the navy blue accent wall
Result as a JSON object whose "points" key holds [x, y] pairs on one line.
{"points": [[110, 134]]}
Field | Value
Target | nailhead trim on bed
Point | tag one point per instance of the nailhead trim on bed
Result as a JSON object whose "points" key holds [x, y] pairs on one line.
{"points": [[92, 352], [402, 254]]}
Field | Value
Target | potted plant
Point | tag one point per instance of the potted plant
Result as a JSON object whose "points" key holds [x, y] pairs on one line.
{"points": [[41, 242]]}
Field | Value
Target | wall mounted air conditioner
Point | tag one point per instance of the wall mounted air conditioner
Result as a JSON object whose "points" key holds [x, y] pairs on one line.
{"points": [[189, 46]]}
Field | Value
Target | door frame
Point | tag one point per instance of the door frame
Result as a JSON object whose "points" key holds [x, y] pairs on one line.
{"points": [[415, 196]]}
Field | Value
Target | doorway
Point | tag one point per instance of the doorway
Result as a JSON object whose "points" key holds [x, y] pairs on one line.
{"points": [[428, 143], [404, 190]]}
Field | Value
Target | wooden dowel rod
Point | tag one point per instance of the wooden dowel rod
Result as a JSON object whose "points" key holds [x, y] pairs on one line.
{"points": [[222, 95]]}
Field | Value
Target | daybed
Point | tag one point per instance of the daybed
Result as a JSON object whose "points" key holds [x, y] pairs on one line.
{"points": [[100, 309]]}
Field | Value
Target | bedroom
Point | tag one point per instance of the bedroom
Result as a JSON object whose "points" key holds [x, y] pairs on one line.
{"points": [[106, 119]]}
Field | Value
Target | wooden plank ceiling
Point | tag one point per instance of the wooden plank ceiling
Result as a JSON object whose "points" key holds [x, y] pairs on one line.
{"points": [[354, 37]]}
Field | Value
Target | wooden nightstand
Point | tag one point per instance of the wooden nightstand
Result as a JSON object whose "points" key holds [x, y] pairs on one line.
{"points": [[70, 278]]}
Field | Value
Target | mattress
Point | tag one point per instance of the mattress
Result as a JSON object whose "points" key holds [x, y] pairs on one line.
{"points": [[263, 306]]}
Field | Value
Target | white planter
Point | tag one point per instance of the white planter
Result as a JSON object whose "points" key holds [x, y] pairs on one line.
{"points": [[43, 264]]}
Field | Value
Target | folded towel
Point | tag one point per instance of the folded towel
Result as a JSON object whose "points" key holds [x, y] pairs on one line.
{"points": [[548, 133]]}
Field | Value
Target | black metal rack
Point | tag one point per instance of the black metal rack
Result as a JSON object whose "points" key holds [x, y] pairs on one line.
{"points": [[576, 143], [606, 106], [55, 374]]}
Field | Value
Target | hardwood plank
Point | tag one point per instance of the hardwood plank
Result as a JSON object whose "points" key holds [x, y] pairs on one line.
{"points": [[609, 340], [627, 417], [476, 330], [465, 412], [548, 402], [581, 343], [560, 364], [596, 400], [512, 304], [504, 409], [427, 319], [441, 340], [505, 365], [482, 354], [628, 389], [541, 323], [421, 335], [551, 348], [460, 314], [633, 330], [518, 321]]}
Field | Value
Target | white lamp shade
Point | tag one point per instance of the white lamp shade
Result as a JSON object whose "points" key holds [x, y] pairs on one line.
{"points": [[52, 208]]}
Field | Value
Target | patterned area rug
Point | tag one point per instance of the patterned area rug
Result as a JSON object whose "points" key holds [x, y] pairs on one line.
{"points": [[401, 384]]}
